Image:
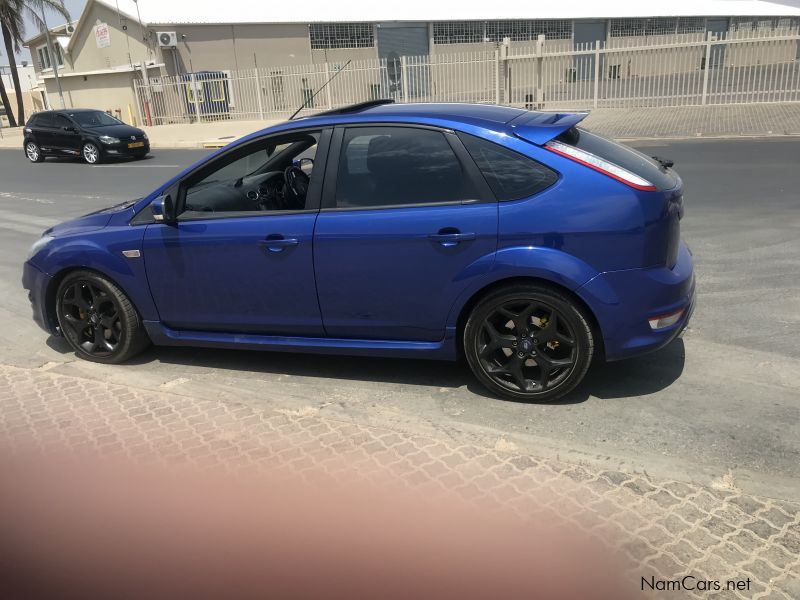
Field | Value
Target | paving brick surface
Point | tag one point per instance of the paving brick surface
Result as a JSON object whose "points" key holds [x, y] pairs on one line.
{"points": [[668, 528]]}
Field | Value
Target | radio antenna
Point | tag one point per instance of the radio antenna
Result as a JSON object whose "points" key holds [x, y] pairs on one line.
{"points": [[314, 95]]}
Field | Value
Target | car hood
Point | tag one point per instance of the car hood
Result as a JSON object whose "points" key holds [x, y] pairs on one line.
{"points": [[117, 131], [95, 220]]}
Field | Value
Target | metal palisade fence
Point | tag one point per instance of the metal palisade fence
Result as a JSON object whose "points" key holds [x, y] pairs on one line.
{"points": [[677, 70]]}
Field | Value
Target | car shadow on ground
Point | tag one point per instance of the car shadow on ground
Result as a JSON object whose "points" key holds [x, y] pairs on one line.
{"points": [[634, 377]]}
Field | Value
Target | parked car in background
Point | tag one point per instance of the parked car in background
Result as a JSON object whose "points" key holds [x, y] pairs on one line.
{"points": [[90, 134], [513, 238]]}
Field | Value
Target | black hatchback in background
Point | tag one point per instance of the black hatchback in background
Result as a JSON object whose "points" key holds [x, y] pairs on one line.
{"points": [[91, 134]]}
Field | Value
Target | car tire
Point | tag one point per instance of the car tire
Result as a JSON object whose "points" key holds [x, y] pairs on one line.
{"points": [[529, 342], [98, 320], [90, 152], [34, 152]]}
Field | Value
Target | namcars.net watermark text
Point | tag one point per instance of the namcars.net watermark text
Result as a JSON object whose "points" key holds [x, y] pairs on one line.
{"points": [[692, 583]]}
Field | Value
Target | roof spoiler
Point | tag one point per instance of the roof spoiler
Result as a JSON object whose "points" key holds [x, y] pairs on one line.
{"points": [[541, 127]]}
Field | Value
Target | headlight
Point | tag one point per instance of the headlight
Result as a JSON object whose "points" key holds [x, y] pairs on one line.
{"points": [[144, 136], [39, 245], [107, 139]]}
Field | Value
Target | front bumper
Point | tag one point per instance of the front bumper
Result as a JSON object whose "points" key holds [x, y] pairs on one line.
{"points": [[122, 149], [37, 283], [624, 301]]}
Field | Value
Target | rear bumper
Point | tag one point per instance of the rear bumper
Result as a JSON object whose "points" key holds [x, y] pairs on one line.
{"points": [[623, 301], [37, 282]]}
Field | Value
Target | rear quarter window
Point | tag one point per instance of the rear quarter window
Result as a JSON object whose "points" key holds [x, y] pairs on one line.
{"points": [[510, 175], [621, 155]]}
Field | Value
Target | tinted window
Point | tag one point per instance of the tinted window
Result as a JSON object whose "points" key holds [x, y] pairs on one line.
{"points": [[510, 175], [95, 118], [623, 156], [385, 166], [254, 181], [45, 120], [62, 121]]}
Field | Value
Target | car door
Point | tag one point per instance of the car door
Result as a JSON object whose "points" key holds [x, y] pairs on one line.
{"points": [[65, 134], [407, 222], [44, 130], [236, 260]]}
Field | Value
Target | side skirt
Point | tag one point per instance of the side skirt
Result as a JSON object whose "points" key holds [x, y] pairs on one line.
{"points": [[445, 349]]}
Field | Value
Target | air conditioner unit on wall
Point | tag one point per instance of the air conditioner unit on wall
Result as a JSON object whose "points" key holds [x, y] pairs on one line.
{"points": [[167, 39]]}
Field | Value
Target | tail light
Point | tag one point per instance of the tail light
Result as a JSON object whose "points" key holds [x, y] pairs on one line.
{"points": [[601, 165]]}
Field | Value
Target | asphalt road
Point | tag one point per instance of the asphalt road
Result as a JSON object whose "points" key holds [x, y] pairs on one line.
{"points": [[722, 401]]}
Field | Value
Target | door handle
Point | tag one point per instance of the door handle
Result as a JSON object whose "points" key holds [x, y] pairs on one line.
{"points": [[449, 237], [276, 243]]}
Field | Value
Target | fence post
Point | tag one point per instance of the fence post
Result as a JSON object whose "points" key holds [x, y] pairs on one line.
{"points": [[539, 71], [195, 96], [707, 65], [596, 71], [404, 77], [258, 94], [506, 70], [497, 75], [137, 94], [327, 87]]}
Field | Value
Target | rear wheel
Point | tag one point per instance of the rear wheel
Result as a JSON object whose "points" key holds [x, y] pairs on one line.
{"points": [[33, 152], [528, 342], [90, 153], [97, 319]]}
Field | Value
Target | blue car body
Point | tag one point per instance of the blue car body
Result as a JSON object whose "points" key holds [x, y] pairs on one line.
{"points": [[371, 282]]}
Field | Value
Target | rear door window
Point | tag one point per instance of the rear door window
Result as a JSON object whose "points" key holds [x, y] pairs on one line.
{"points": [[396, 166], [623, 156], [45, 120], [511, 176]]}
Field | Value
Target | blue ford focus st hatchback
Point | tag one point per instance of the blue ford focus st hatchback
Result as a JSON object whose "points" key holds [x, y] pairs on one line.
{"points": [[515, 239]]}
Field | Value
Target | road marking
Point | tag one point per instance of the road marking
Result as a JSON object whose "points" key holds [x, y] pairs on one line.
{"points": [[18, 197], [136, 166]]}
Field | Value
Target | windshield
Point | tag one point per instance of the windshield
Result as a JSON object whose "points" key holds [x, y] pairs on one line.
{"points": [[95, 118]]}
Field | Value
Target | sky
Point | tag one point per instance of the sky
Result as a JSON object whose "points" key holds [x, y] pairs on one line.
{"points": [[73, 6]]}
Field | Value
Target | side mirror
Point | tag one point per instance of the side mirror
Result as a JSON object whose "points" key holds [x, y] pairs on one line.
{"points": [[305, 164], [163, 209]]}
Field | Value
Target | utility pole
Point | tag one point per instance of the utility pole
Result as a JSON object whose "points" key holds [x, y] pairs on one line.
{"points": [[53, 59]]}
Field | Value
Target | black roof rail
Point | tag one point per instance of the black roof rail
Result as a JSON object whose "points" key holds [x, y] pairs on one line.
{"points": [[354, 107]]}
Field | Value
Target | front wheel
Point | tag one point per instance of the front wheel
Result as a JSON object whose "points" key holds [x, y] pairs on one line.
{"points": [[97, 318], [90, 153], [529, 342]]}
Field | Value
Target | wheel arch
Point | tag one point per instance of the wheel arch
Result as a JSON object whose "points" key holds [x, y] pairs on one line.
{"points": [[492, 287], [55, 283]]}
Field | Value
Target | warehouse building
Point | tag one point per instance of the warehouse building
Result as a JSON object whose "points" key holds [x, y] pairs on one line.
{"points": [[115, 43]]}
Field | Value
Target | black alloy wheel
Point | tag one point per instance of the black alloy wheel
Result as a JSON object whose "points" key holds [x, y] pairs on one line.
{"points": [[97, 319], [529, 342]]}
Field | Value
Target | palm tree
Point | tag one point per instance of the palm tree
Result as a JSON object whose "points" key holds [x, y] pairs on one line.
{"points": [[12, 26]]}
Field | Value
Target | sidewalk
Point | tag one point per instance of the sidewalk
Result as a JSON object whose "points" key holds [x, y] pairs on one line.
{"points": [[668, 528], [620, 123]]}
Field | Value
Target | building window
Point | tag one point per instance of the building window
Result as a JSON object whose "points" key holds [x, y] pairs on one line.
{"points": [[763, 23], [326, 36], [524, 31], [459, 32], [656, 26], [43, 55], [470, 32]]}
